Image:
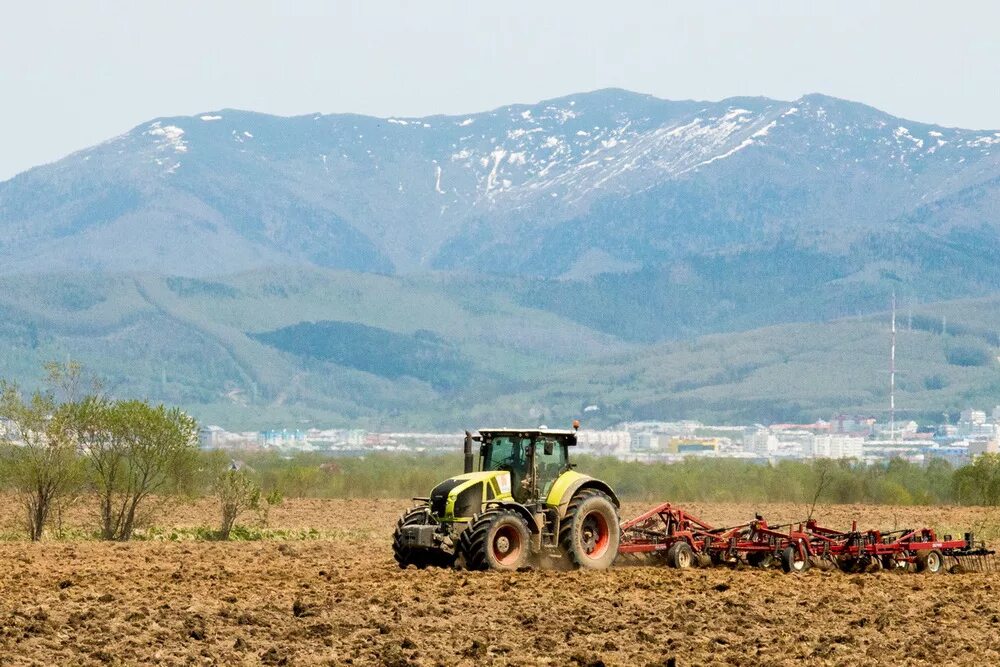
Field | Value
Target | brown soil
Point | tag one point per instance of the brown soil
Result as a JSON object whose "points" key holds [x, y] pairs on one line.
{"points": [[342, 600]]}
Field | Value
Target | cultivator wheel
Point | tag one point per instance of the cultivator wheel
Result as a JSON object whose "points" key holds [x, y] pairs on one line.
{"points": [[794, 561], [588, 532], [931, 562], [680, 555], [495, 540], [420, 558]]}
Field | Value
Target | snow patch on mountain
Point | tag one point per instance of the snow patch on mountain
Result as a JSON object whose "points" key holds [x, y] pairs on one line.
{"points": [[169, 136]]}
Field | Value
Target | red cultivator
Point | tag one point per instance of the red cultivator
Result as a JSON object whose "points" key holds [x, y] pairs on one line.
{"points": [[685, 540]]}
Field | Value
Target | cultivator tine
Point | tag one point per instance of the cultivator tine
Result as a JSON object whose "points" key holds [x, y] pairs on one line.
{"points": [[978, 563]]}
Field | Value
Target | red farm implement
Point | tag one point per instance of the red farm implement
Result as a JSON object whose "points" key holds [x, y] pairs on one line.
{"points": [[684, 540]]}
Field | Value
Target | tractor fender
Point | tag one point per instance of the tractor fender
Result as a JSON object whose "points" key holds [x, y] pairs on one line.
{"points": [[570, 483], [519, 509]]}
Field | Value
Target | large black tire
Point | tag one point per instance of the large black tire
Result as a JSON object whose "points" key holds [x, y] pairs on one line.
{"points": [[496, 539], [931, 562], [680, 555], [590, 531], [792, 562], [420, 558]]}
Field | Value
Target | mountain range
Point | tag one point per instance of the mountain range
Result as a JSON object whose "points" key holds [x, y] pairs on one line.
{"points": [[346, 268]]}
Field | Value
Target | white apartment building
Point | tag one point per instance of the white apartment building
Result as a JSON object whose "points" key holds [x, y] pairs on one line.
{"points": [[837, 447], [604, 442]]}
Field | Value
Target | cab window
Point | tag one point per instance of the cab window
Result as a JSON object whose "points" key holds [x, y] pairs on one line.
{"points": [[549, 465], [506, 452]]}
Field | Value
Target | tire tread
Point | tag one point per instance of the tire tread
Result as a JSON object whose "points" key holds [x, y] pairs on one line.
{"points": [[566, 525]]}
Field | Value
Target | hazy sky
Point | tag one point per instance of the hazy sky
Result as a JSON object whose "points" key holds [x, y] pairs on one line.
{"points": [[75, 73]]}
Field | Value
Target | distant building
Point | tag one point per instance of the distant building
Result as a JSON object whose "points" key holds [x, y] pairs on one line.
{"points": [[795, 443], [972, 416], [857, 425], [210, 437], [947, 431], [283, 439], [984, 446], [972, 424], [604, 442], [691, 445], [837, 447], [8, 430], [645, 442], [761, 442], [957, 453]]}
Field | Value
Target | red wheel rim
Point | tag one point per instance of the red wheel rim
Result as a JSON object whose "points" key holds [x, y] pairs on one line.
{"points": [[596, 535], [506, 545]]}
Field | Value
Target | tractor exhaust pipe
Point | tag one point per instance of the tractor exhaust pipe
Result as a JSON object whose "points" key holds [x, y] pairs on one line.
{"points": [[467, 450]]}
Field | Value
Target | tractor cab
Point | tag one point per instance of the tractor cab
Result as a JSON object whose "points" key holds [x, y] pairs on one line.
{"points": [[534, 458]]}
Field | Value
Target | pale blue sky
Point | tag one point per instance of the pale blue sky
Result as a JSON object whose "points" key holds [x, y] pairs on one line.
{"points": [[75, 73]]}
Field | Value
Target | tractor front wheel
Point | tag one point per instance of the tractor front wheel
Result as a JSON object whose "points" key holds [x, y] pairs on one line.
{"points": [[420, 558], [589, 532], [495, 540]]}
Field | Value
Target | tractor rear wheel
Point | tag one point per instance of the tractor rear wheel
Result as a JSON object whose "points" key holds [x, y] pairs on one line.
{"points": [[791, 561], [589, 532], [421, 558], [495, 540], [680, 555]]}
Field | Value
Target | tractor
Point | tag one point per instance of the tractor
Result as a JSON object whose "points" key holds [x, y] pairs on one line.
{"points": [[524, 507]]}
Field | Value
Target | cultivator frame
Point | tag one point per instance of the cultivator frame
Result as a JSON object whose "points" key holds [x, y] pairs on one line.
{"points": [[685, 540]]}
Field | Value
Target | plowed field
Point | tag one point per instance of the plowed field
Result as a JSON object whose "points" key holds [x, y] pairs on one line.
{"points": [[340, 599]]}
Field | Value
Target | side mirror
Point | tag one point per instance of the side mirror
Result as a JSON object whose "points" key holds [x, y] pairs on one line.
{"points": [[547, 448]]}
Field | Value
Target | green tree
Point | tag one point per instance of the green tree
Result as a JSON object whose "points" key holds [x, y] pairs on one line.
{"points": [[40, 455], [237, 492], [979, 483], [135, 451]]}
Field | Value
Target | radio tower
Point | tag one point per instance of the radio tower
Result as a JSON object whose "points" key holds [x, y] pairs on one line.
{"points": [[892, 374]]}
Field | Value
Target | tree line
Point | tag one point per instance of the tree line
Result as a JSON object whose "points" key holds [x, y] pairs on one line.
{"points": [[894, 482], [69, 440]]}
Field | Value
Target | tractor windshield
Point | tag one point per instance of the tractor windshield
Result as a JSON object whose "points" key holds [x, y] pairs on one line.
{"points": [[507, 453]]}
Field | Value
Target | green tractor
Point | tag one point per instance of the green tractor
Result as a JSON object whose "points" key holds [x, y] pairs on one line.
{"points": [[524, 507]]}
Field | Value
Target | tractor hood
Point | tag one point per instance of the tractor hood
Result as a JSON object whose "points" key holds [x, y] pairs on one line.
{"points": [[458, 498]]}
